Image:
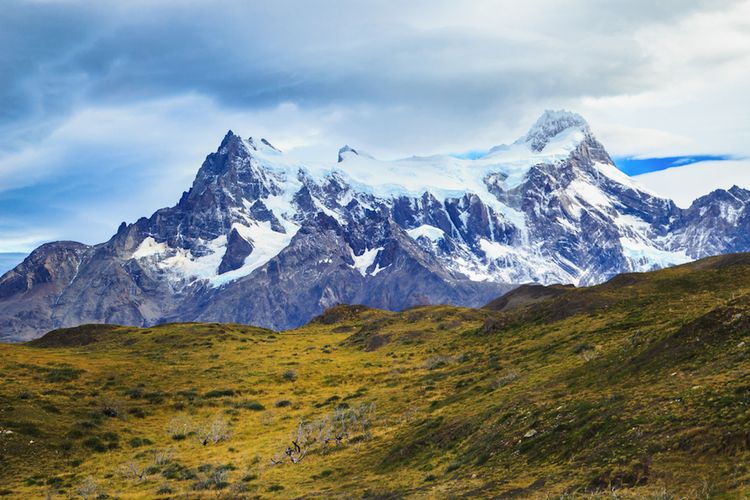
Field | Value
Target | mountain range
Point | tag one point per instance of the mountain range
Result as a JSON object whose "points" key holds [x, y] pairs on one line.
{"points": [[262, 239]]}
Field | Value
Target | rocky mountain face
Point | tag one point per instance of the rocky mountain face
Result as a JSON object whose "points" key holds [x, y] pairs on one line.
{"points": [[265, 240]]}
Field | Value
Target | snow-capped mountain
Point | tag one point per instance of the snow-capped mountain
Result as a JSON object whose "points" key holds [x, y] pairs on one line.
{"points": [[262, 239]]}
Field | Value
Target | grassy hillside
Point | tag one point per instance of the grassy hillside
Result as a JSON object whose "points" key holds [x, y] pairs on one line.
{"points": [[638, 388]]}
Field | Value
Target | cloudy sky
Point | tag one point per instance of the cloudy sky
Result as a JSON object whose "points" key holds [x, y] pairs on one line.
{"points": [[107, 109]]}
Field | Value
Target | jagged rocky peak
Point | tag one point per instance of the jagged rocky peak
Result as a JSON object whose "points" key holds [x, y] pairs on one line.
{"points": [[233, 144], [346, 150], [230, 140], [262, 145], [734, 195], [233, 172], [550, 125], [349, 153]]}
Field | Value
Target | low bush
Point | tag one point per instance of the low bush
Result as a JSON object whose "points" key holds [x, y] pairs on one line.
{"points": [[137, 442], [250, 405], [219, 393], [64, 374]]}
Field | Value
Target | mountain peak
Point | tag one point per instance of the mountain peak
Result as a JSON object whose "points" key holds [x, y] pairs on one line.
{"points": [[344, 150], [262, 145], [551, 124], [229, 138]]}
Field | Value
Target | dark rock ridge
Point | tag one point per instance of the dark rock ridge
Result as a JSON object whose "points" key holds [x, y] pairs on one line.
{"points": [[263, 240], [237, 251]]}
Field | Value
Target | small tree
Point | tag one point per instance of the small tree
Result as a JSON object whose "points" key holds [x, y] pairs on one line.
{"points": [[336, 427], [179, 427], [133, 472], [162, 457], [216, 431], [88, 489]]}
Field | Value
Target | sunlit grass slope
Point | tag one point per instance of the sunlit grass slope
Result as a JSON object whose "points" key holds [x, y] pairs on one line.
{"points": [[639, 388]]}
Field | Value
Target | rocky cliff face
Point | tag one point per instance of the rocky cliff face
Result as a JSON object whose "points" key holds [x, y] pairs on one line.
{"points": [[261, 239]]}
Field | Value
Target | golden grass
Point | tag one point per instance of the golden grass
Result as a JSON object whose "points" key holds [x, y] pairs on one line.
{"points": [[641, 392]]}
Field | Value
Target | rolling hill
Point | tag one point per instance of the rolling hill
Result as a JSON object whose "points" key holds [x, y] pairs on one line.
{"points": [[635, 388]]}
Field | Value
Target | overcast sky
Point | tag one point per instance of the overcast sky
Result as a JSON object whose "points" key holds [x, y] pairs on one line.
{"points": [[107, 109]]}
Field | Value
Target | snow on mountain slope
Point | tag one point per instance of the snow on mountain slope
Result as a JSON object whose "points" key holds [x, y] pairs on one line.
{"points": [[266, 239], [497, 182]]}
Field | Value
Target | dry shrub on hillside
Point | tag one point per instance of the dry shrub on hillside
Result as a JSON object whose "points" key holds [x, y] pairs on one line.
{"points": [[215, 431], [179, 427], [344, 424]]}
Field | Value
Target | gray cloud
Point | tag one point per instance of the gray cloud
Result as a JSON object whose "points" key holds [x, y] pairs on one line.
{"points": [[319, 53], [138, 91]]}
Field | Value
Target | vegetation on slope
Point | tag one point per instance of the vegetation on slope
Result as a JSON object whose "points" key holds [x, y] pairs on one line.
{"points": [[635, 388]]}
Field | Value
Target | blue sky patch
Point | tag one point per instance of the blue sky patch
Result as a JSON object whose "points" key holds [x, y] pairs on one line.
{"points": [[636, 166], [474, 154], [10, 260]]}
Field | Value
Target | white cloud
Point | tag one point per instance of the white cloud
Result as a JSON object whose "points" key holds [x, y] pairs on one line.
{"points": [[622, 140], [699, 71], [685, 184], [22, 243]]}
